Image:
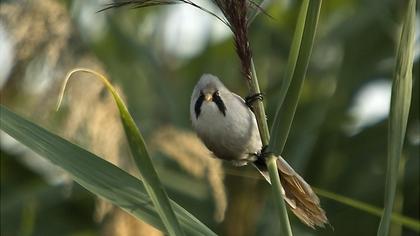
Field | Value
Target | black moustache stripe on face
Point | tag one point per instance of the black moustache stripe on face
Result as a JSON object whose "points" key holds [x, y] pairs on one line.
{"points": [[197, 106], [216, 99], [219, 102]]}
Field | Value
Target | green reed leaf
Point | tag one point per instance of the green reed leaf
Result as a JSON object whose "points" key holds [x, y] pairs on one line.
{"points": [[300, 53], [141, 157], [400, 107], [96, 175]]}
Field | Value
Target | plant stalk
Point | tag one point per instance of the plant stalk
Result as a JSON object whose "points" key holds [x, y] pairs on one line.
{"points": [[285, 227], [299, 60], [271, 162]]}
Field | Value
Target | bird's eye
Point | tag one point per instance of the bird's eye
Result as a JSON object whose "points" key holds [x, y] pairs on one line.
{"points": [[216, 94]]}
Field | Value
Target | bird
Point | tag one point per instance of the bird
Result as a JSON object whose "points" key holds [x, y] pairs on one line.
{"points": [[228, 128]]}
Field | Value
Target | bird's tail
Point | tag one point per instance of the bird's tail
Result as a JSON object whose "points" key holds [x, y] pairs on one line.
{"points": [[300, 197]]}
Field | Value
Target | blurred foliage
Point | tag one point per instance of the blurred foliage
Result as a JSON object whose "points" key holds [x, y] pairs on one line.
{"points": [[354, 48]]}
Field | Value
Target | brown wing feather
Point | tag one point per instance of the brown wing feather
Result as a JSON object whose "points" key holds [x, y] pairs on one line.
{"points": [[300, 197]]}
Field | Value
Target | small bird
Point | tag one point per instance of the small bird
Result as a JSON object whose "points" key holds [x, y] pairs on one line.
{"points": [[228, 128]]}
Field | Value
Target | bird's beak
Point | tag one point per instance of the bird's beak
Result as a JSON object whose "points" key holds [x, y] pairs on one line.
{"points": [[208, 97]]}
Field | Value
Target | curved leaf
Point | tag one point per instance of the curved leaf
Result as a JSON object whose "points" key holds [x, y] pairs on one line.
{"points": [[141, 156], [96, 175]]}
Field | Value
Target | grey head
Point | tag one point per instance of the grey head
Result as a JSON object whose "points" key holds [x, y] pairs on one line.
{"points": [[208, 89]]}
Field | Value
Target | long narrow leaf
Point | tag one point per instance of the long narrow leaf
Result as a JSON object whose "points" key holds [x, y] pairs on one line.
{"points": [[293, 55], [405, 221], [400, 106], [96, 175], [395, 217], [141, 156], [296, 72]]}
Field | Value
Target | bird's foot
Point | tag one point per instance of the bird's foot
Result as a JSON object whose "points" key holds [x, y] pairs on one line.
{"points": [[263, 153], [249, 100]]}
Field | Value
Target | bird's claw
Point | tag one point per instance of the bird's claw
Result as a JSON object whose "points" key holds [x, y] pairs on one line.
{"points": [[249, 100], [263, 153]]}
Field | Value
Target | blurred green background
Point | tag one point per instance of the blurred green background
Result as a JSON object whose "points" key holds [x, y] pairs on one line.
{"points": [[338, 140]]}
